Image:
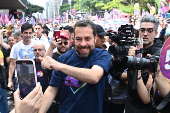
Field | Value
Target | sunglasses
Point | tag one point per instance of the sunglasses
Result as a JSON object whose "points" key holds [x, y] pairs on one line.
{"points": [[149, 30], [65, 43], [38, 49]]}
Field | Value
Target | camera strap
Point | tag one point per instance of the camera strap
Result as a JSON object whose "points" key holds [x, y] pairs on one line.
{"points": [[164, 102], [152, 97], [152, 93]]}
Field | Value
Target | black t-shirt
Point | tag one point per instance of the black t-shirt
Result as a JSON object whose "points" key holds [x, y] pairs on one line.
{"points": [[42, 75], [57, 98], [6, 54], [55, 56]]}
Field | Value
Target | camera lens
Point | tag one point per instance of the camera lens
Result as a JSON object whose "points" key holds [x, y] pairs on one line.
{"points": [[134, 63]]}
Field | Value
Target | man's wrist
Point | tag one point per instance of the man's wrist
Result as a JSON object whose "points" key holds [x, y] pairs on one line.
{"points": [[51, 48], [10, 80], [139, 77]]}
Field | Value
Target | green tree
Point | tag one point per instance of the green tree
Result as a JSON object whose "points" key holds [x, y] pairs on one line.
{"points": [[126, 6], [77, 4], [88, 5], [33, 8], [64, 8]]}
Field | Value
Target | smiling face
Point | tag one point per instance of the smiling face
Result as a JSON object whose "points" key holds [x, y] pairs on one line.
{"points": [[11, 41], [84, 41]]}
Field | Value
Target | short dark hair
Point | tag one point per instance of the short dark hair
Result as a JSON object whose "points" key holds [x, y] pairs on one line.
{"points": [[39, 24], [26, 26], [85, 23], [45, 31], [70, 28]]}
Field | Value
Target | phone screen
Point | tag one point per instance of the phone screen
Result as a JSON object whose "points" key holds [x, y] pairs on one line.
{"points": [[26, 77], [167, 15], [57, 34]]}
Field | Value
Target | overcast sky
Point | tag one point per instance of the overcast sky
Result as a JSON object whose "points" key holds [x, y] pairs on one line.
{"points": [[39, 2]]}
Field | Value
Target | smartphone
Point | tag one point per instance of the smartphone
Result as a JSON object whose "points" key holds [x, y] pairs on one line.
{"points": [[26, 75], [168, 17], [56, 34]]}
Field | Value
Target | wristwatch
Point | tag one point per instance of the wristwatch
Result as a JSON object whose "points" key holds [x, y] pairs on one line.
{"points": [[139, 78]]}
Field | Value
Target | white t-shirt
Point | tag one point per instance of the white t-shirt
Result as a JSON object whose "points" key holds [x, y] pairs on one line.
{"points": [[44, 40], [21, 51]]}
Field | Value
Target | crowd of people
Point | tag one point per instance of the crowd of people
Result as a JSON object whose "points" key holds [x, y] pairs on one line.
{"points": [[76, 73]]}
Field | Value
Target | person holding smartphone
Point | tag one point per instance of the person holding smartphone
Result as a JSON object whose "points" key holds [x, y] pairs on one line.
{"points": [[31, 103]]}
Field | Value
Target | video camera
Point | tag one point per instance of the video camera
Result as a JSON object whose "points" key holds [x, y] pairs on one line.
{"points": [[124, 39]]}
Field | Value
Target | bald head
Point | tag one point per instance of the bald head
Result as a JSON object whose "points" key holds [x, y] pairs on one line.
{"points": [[39, 50]]}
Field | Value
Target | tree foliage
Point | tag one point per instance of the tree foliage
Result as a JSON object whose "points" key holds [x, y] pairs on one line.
{"points": [[33, 8], [126, 6], [64, 8], [77, 4]]}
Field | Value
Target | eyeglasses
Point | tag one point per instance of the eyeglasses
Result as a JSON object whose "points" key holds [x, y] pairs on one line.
{"points": [[38, 49], [65, 43], [148, 30]]}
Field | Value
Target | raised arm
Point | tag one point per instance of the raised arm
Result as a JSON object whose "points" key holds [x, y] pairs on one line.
{"points": [[53, 45], [144, 90], [91, 76], [4, 45], [162, 84]]}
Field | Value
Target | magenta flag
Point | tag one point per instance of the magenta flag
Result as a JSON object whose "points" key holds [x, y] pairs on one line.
{"points": [[12, 20], [22, 20], [6, 18]]}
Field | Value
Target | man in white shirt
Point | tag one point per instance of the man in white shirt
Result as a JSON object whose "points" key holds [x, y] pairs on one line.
{"points": [[39, 36], [22, 50]]}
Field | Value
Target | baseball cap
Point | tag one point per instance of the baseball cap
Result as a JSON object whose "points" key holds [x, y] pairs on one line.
{"points": [[64, 34], [100, 31]]}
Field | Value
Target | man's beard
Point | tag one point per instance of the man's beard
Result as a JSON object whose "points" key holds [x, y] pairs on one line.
{"points": [[84, 55], [62, 52]]}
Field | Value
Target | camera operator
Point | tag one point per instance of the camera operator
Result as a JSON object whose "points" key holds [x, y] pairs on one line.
{"points": [[148, 31]]}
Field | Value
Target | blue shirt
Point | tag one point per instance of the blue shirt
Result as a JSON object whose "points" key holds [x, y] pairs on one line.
{"points": [[77, 96]]}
